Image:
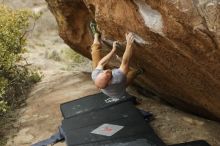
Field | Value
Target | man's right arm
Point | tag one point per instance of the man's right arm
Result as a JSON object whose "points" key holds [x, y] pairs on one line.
{"points": [[124, 67]]}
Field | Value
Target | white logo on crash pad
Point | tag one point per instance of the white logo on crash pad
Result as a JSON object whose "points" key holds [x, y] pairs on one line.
{"points": [[107, 129], [111, 99]]}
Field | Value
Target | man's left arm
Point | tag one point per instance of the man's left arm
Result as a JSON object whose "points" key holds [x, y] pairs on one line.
{"points": [[105, 60]]}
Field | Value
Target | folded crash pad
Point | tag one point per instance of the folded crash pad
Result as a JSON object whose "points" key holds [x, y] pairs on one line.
{"points": [[99, 120], [90, 103], [116, 125]]}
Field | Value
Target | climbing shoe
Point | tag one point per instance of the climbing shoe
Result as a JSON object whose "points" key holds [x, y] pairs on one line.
{"points": [[93, 28], [140, 71]]}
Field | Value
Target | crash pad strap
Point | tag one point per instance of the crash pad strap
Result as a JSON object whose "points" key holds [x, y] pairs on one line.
{"points": [[55, 138]]}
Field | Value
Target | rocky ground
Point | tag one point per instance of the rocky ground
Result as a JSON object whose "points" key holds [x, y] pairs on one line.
{"points": [[64, 80]]}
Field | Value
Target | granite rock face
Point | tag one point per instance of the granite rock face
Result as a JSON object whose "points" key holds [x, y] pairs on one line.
{"points": [[179, 49]]}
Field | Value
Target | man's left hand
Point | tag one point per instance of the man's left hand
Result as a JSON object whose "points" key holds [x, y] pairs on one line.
{"points": [[114, 47]]}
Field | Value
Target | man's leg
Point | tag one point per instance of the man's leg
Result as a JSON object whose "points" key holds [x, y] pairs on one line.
{"points": [[96, 51]]}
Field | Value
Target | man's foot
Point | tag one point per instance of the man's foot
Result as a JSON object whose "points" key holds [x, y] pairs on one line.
{"points": [[93, 28], [140, 71]]}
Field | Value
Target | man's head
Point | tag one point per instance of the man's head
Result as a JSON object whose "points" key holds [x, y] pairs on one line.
{"points": [[103, 79]]}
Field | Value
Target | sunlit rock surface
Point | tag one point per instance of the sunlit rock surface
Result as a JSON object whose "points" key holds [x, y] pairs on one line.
{"points": [[181, 57]]}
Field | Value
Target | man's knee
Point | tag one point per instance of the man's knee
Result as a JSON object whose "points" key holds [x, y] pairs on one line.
{"points": [[96, 54], [96, 51]]}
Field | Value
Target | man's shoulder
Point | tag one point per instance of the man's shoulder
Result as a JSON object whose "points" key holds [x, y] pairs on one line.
{"points": [[118, 76], [117, 71], [96, 72]]}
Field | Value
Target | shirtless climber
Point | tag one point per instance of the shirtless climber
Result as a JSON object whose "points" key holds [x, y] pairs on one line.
{"points": [[112, 82]]}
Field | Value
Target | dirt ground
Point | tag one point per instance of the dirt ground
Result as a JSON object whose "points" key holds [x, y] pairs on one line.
{"points": [[60, 83]]}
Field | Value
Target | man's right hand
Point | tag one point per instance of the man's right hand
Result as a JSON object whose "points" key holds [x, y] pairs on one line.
{"points": [[130, 39]]}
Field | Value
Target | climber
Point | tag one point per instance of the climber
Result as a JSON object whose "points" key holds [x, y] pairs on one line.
{"points": [[112, 82]]}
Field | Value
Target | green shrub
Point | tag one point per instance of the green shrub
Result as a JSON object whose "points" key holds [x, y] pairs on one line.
{"points": [[3, 106], [15, 78]]}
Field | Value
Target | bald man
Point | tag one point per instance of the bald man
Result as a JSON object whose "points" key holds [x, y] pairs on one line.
{"points": [[112, 82]]}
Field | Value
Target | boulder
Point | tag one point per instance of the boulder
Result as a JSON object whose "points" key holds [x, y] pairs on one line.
{"points": [[178, 44]]}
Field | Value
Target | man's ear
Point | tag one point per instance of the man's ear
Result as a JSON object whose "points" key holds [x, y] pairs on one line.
{"points": [[97, 87]]}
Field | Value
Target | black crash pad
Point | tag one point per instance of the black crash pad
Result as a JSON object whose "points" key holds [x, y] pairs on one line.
{"points": [[83, 115], [135, 129], [193, 143], [90, 103]]}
